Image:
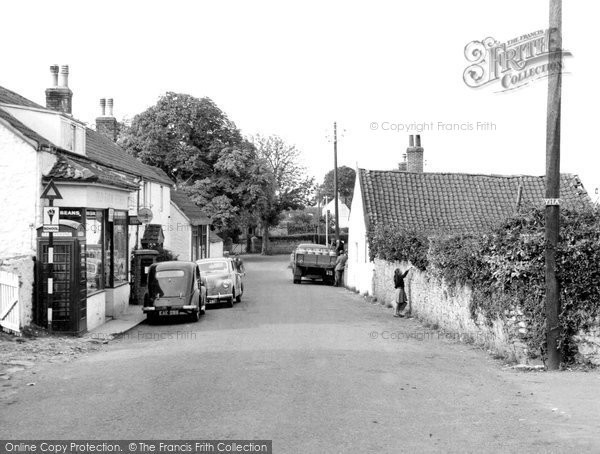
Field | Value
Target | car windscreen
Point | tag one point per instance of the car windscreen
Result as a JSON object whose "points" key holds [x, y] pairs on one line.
{"points": [[214, 267], [170, 283]]}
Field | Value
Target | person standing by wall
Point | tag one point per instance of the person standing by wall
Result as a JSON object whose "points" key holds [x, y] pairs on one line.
{"points": [[340, 264], [400, 298]]}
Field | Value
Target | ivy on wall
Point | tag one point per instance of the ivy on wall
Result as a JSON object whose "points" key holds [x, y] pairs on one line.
{"points": [[505, 268]]}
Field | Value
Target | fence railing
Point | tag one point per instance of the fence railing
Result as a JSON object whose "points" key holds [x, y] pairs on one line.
{"points": [[9, 301]]}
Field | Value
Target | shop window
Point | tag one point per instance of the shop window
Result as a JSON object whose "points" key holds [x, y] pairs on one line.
{"points": [[94, 221], [120, 234]]}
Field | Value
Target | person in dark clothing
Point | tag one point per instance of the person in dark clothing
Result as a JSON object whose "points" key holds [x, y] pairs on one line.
{"points": [[339, 249], [340, 265], [400, 298]]}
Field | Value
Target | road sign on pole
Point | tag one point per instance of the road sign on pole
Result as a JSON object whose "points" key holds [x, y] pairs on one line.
{"points": [[50, 192], [51, 226]]}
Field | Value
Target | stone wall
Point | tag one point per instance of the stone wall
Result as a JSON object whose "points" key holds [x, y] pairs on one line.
{"points": [[588, 344], [449, 308], [436, 303]]}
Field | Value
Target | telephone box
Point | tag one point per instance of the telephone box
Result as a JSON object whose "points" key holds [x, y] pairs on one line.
{"points": [[69, 292]]}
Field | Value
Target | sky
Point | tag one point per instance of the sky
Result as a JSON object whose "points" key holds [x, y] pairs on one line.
{"points": [[293, 68]]}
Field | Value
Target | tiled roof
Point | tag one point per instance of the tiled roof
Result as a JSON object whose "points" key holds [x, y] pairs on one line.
{"points": [[214, 238], [99, 148], [454, 202], [27, 132], [73, 169], [103, 150], [189, 208], [10, 97]]}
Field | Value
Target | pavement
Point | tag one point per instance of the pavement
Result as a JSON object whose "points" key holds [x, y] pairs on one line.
{"points": [[129, 319], [312, 367]]}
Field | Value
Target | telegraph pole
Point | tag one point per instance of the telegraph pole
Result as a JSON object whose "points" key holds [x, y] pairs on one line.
{"points": [[335, 183], [553, 122]]}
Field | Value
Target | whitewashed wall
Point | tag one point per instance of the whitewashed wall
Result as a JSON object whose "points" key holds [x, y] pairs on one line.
{"points": [[359, 269], [181, 234], [19, 196]]}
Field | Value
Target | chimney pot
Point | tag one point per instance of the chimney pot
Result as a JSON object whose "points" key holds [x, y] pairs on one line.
{"points": [[414, 155], [54, 72], [64, 76], [59, 97], [418, 140], [107, 123]]}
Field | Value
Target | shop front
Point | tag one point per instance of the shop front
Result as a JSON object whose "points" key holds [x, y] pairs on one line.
{"points": [[91, 255]]}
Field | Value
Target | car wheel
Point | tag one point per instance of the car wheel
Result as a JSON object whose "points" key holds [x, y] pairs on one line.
{"points": [[297, 280], [151, 317]]}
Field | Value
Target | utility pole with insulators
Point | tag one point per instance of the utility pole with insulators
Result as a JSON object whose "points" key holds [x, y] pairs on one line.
{"points": [[552, 213], [335, 184]]}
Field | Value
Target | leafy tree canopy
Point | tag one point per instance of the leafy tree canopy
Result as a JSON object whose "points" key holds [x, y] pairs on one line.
{"points": [[182, 135], [346, 177], [289, 187], [195, 143]]}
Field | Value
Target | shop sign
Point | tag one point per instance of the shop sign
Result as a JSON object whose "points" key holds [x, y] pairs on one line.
{"points": [[145, 215]]}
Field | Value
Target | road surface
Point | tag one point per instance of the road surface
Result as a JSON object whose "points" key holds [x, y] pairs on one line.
{"points": [[317, 369]]}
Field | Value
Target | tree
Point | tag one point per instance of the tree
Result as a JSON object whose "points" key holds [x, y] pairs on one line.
{"points": [[346, 177], [288, 189], [236, 191], [302, 221], [195, 143], [182, 135]]}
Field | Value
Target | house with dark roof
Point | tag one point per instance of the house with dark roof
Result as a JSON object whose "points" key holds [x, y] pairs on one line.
{"points": [[437, 203], [190, 232], [216, 245], [101, 187]]}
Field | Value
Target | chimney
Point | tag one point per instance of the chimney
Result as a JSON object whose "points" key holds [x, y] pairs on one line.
{"points": [[59, 97], [402, 165], [414, 155], [106, 123]]}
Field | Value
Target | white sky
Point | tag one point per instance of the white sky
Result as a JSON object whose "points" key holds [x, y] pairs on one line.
{"points": [[293, 68]]}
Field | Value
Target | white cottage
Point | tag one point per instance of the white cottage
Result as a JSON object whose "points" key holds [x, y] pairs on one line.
{"points": [[189, 228], [100, 187]]}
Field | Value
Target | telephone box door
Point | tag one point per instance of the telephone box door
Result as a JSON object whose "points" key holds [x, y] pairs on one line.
{"points": [[69, 285]]}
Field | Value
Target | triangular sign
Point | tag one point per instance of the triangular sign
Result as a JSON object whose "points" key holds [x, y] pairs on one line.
{"points": [[50, 192]]}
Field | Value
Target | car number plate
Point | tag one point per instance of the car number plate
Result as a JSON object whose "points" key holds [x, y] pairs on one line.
{"points": [[166, 312], [329, 273]]}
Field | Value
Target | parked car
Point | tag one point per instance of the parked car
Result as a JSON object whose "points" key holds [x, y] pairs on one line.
{"points": [[223, 278], [313, 261], [174, 288]]}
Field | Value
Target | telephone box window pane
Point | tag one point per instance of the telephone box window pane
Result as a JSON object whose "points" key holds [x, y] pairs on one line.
{"points": [[94, 250], [120, 247]]}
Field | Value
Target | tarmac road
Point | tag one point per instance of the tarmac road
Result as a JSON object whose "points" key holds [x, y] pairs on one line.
{"points": [[312, 367]]}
